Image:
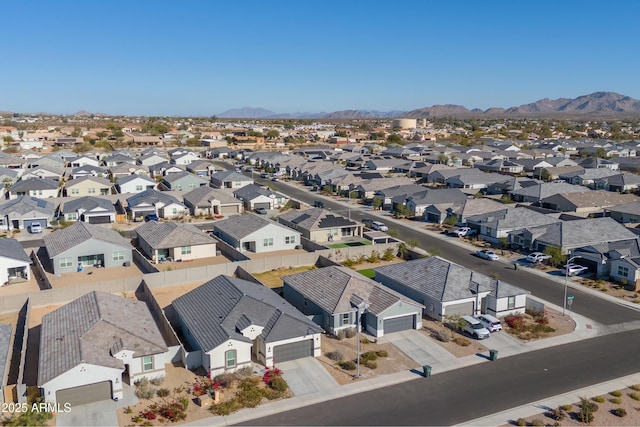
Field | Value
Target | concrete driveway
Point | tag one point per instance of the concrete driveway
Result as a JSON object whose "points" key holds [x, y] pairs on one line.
{"points": [[307, 375], [101, 413], [418, 347], [506, 344]]}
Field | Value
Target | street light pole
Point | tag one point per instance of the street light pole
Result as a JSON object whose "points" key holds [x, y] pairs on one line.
{"points": [[566, 278]]}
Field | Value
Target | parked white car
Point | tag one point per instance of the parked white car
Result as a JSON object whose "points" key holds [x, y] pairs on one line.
{"points": [[461, 231], [490, 322], [573, 269], [473, 327], [487, 254], [377, 225], [35, 228], [537, 257]]}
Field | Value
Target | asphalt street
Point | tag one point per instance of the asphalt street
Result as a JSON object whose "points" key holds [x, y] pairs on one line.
{"points": [[464, 394]]}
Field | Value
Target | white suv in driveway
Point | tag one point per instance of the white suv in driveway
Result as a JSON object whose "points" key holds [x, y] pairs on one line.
{"points": [[473, 327], [573, 269], [35, 228], [490, 322]]}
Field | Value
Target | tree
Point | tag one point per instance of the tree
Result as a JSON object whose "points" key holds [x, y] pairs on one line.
{"points": [[377, 203], [451, 220], [394, 139], [273, 134], [557, 257]]}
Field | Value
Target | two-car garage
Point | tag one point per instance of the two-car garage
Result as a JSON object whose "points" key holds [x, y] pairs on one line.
{"points": [[82, 395], [397, 324], [293, 351]]}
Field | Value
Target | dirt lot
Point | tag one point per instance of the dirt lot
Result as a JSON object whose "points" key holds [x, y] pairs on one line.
{"points": [[602, 417], [459, 345], [175, 265], [561, 325], [272, 279]]}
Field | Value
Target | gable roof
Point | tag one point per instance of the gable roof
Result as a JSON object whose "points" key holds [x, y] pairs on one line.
{"points": [[102, 181], [445, 281], [583, 232], [172, 235], [126, 179], [66, 238], [316, 219], [25, 204], [230, 176], [240, 226], [151, 197], [34, 184], [11, 248], [179, 176], [204, 195], [546, 189], [217, 310], [253, 191], [88, 203], [510, 218], [88, 329], [333, 288]]}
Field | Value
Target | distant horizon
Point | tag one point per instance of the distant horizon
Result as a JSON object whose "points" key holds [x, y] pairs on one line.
{"points": [[194, 58], [83, 110]]}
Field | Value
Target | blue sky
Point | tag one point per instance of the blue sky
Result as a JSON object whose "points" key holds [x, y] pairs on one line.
{"points": [[204, 57]]}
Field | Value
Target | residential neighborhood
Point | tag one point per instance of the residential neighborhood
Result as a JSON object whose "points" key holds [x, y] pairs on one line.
{"points": [[179, 237]]}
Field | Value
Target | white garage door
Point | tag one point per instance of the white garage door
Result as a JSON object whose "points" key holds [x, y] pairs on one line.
{"points": [[462, 309]]}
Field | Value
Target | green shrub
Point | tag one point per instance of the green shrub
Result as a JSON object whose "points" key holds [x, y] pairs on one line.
{"points": [[634, 396], [521, 422], [335, 355], [157, 381], [374, 257], [566, 407], [226, 380], [635, 387], [163, 392], [599, 399], [370, 364], [615, 400], [348, 365], [537, 423], [350, 332], [616, 393], [388, 255], [619, 412], [279, 384], [369, 355], [382, 353], [341, 335], [587, 409], [249, 394], [443, 336], [462, 341], [226, 408], [365, 340], [349, 262]]}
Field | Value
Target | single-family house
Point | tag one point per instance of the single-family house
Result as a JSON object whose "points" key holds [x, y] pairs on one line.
{"points": [[151, 159], [321, 226], [586, 203], [500, 165], [21, 212], [155, 202], [493, 226], [447, 289], [119, 159], [83, 161], [535, 193], [253, 197], [86, 245], [440, 212], [621, 183], [93, 210], [88, 170], [230, 179], [417, 204], [600, 258], [587, 177], [163, 169], [87, 186], [14, 262], [207, 201], [627, 213], [35, 187], [182, 181], [232, 322], [88, 349], [174, 241], [184, 159], [253, 233], [44, 172], [126, 169], [134, 184], [338, 298], [201, 168]]}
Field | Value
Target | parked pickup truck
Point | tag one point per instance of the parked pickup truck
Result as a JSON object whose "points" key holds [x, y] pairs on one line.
{"points": [[461, 231]]}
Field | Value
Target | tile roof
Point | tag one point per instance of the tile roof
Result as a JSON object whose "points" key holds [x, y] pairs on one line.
{"points": [[66, 238], [443, 280], [26, 204], [316, 219], [88, 203], [11, 248], [585, 232], [172, 235], [333, 289], [87, 329], [214, 311], [240, 226]]}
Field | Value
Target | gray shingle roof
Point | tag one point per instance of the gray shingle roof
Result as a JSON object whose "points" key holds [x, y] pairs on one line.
{"points": [[443, 280], [65, 239], [179, 176], [230, 176], [511, 218], [151, 197], [252, 191], [11, 248], [213, 311], [6, 332], [316, 219], [548, 189], [584, 232], [89, 328], [333, 289], [203, 195], [172, 235], [125, 179], [101, 181]]}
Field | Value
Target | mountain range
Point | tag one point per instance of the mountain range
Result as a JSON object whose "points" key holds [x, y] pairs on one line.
{"points": [[593, 105]]}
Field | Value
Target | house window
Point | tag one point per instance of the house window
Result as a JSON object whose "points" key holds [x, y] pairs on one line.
{"points": [[66, 262], [511, 303], [72, 216], [268, 242], [290, 239], [147, 363], [91, 190], [346, 319], [178, 187], [175, 211], [75, 191], [118, 256], [230, 359], [185, 250], [623, 271], [237, 183], [138, 187]]}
